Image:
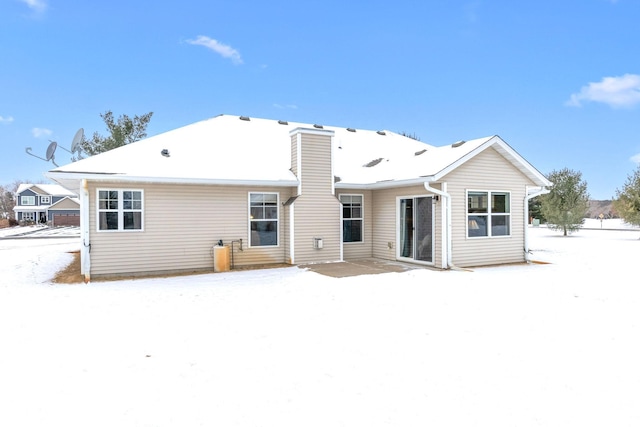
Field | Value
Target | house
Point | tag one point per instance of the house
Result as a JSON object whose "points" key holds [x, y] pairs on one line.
{"points": [[47, 203], [280, 192]]}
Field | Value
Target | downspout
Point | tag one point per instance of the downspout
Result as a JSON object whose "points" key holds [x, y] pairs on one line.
{"points": [[85, 248], [446, 257], [537, 191]]}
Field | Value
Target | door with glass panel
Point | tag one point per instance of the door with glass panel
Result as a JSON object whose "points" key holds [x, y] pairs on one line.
{"points": [[415, 229]]}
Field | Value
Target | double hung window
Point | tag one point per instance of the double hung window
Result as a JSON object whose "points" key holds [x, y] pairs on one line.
{"points": [[488, 213], [27, 200], [352, 218], [45, 200], [119, 210], [263, 219]]}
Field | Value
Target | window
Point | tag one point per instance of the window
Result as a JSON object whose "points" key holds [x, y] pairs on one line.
{"points": [[263, 219], [28, 200], [352, 218], [28, 216], [488, 214], [45, 200], [119, 210]]}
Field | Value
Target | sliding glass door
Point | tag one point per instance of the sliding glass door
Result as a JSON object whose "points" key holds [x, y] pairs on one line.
{"points": [[415, 229]]}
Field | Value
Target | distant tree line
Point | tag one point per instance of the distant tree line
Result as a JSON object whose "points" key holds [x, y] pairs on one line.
{"points": [[566, 205]]}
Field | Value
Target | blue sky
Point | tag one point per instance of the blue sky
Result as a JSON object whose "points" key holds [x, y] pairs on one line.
{"points": [[558, 80]]}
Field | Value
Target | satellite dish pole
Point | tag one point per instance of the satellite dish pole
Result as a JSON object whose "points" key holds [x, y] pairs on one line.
{"points": [[51, 149]]}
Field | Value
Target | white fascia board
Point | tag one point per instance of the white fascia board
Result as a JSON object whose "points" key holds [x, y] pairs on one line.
{"points": [[71, 176], [29, 208], [383, 184]]}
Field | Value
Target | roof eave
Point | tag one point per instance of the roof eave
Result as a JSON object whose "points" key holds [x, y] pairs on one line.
{"points": [[64, 179], [383, 184]]}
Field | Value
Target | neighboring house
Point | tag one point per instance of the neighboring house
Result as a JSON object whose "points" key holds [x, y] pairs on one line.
{"points": [[47, 203], [280, 192]]}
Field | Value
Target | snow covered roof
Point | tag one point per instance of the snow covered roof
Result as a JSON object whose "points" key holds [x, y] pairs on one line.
{"points": [[238, 150], [46, 189]]}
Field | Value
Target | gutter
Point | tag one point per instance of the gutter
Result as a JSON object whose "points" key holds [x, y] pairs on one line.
{"points": [[530, 193], [108, 177]]}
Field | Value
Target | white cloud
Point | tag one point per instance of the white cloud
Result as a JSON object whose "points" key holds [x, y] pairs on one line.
{"points": [[222, 49], [8, 119], [38, 6], [623, 91], [636, 159], [41, 132]]}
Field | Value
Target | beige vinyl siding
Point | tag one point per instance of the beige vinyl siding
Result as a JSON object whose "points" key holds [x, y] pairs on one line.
{"points": [[317, 210], [65, 204], [385, 225], [364, 249], [294, 154], [488, 171], [181, 225]]}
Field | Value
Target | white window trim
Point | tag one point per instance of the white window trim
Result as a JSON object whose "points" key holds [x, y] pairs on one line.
{"points": [[120, 210], [45, 200], [30, 214], [489, 214], [249, 220], [361, 218], [23, 200]]}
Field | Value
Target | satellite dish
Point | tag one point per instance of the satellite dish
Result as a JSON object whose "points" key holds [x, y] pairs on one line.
{"points": [[77, 139], [51, 149]]}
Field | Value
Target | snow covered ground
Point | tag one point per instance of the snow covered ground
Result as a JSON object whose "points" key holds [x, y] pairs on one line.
{"points": [[530, 345]]}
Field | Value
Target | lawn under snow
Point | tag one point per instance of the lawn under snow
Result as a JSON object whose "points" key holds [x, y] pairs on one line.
{"points": [[531, 345]]}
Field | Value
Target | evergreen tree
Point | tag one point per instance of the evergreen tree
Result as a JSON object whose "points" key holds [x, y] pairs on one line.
{"points": [[566, 205], [122, 131], [535, 209], [627, 203]]}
